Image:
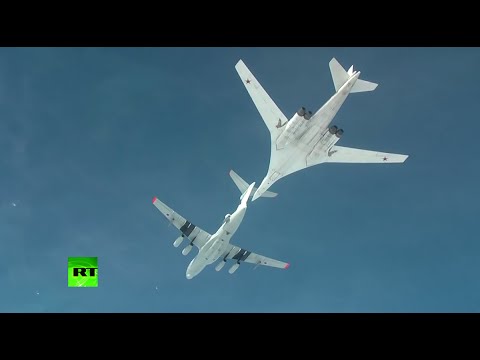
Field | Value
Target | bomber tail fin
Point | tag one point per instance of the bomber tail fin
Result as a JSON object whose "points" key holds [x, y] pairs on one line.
{"points": [[340, 76], [242, 185]]}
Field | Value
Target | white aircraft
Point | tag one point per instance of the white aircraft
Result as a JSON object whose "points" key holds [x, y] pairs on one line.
{"points": [[308, 139], [216, 246]]}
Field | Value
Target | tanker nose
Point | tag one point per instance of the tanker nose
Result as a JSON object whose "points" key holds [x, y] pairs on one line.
{"points": [[189, 276]]}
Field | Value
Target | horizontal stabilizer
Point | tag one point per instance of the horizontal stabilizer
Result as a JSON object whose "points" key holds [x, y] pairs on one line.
{"points": [[362, 86], [340, 76], [242, 185]]}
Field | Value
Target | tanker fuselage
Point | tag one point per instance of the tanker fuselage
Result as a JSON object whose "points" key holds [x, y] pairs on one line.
{"points": [[217, 244]]}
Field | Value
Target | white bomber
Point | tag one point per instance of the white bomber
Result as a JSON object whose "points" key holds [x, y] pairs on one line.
{"points": [[308, 139]]}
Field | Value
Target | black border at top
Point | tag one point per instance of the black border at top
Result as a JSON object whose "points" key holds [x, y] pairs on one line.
{"points": [[362, 25], [206, 39]]}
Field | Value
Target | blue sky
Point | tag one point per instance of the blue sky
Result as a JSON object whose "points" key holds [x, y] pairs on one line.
{"points": [[89, 135]]}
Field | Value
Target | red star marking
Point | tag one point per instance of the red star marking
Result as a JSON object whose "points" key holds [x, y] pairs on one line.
{"points": [[248, 81], [384, 159]]}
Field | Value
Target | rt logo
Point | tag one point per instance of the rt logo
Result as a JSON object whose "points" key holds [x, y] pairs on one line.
{"points": [[82, 272]]}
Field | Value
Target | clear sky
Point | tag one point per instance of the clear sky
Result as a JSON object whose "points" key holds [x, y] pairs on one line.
{"points": [[89, 135]]}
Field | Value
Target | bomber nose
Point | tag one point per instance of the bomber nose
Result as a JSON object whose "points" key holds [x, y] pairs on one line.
{"points": [[256, 195]]}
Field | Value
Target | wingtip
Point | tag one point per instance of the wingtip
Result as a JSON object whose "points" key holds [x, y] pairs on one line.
{"points": [[154, 199], [287, 266]]}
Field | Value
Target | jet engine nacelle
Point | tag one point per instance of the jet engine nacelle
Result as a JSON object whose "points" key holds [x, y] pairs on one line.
{"points": [[294, 128], [335, 131], [187, 249], [227, 218], [233, 268], [329, 138], [178, 241], [302, 112], [220, 265], [334, 135]]}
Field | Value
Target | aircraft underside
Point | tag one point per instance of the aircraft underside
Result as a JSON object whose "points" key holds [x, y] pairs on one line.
{"points": [[311, 148], [309, 139]]}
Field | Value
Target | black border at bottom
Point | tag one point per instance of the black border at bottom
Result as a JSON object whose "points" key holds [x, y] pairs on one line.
{"points": [[309, 328]]}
